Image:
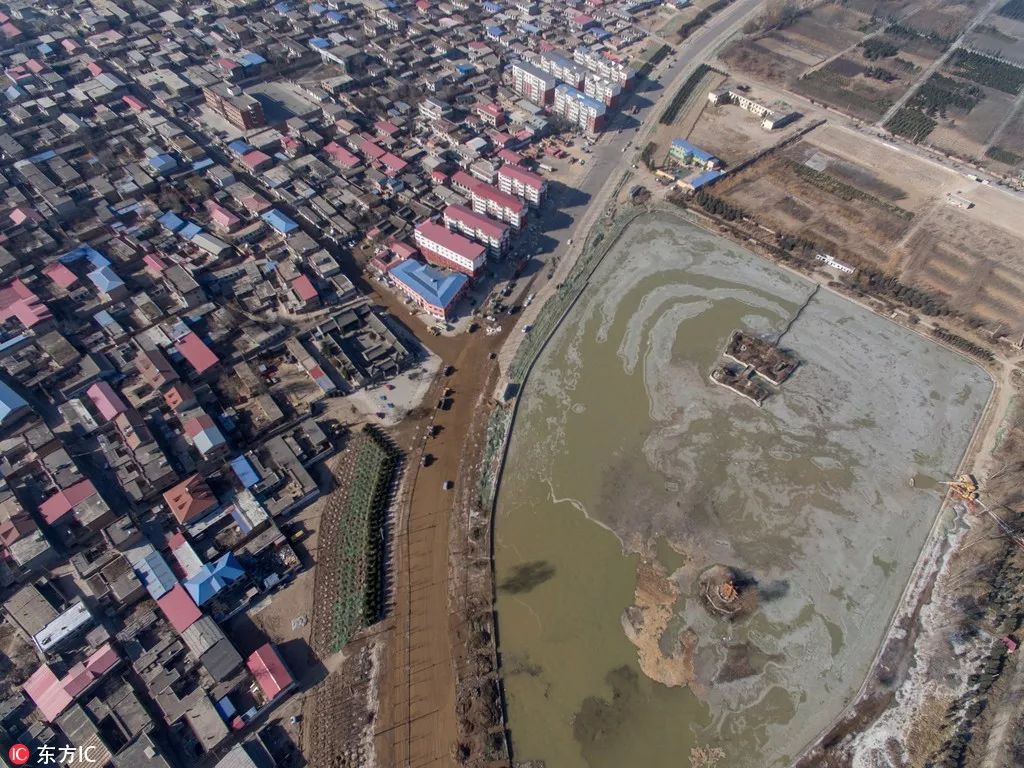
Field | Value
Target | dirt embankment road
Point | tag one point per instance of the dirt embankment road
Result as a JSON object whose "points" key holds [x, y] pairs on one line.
{"points": [[416, 719]]}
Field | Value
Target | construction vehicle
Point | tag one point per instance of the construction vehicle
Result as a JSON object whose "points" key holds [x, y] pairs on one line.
{"points": [[965, 486]]}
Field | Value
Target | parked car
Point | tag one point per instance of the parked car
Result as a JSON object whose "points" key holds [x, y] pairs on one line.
{"points": [[447, 485]]}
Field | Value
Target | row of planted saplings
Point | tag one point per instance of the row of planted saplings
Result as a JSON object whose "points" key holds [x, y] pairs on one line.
{"points": [[968, 708]]}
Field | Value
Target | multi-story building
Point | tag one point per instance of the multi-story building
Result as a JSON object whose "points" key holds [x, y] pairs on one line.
{"points": [[616, 71], [602, 89], [771, 117], [520, 182], [500, 205], [448, 249], [579, 109], [534, 83], [239, 109], [491, 233], [490, 113], [562, 68], [436, 292]]}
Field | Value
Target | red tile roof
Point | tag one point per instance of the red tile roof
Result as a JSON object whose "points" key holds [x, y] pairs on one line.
{"points": [[467, 216], [49, 695], [53, 696], [199, 355], [179, 608], [523, 176], [303, 288], [60, 275], [62, 502], [437, 234], [268, 668], [341, 156], [190, 499], [106, 400]]}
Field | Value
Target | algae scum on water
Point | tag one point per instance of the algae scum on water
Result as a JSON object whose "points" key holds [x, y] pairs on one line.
{"points": [[631, 474]]}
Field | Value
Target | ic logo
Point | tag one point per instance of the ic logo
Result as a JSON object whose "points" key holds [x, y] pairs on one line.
{"points": [[19, 754]]}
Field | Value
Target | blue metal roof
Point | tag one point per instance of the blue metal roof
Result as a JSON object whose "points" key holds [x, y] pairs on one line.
{"points": [[705, 178], [239, 147], [495, 31], [279, 221], [336, 16], [213, 577], [12, 342], [103, 318], [252, 59], [190, 230], [171, 221], [696, 152], [226, 709], [105, 279], [155, 574], [10, 401], [319, 42], [86, 252], [163, 163], [436, 287], [202, 165], [244, 471]]}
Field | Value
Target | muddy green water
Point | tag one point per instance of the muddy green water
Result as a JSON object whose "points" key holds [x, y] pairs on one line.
{"points": [[623, 445]]}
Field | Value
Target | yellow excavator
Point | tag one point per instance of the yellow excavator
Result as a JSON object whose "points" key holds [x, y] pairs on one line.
{"points": [[965, 486]]}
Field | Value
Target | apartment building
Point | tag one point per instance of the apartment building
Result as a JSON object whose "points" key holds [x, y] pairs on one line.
{"points": [[516, 180], [237, 108], [562, 68], [533, 82], [602, 89], [487, 231], [448, 249], [579, 109], [616, 71], [500, 205]]}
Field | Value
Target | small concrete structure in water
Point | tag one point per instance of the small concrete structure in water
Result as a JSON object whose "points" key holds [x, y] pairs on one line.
{"points": [[625, 453]]}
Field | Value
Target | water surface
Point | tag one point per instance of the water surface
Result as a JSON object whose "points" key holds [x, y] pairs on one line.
{"points": [[624, 448]]}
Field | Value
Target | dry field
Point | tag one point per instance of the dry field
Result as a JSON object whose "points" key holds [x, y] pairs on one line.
{"points": [[874, 204], [733, 134], [967, 134], [1011, 140], [861, 57]]}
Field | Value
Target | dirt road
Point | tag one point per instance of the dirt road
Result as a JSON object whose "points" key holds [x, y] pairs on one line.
{"points": [[416, 721]]}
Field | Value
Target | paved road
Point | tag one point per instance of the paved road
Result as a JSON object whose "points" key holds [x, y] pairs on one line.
{"points": [[571, 215], [608, 161]]}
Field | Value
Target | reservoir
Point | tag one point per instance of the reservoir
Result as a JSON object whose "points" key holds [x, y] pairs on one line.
{"points": [[630, 473]]}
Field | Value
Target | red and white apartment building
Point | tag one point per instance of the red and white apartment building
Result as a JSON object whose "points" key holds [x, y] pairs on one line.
{"points": [[490, 200], [533, 82], [448, 249], [500, 205], [516, 180], [481, 228]]}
